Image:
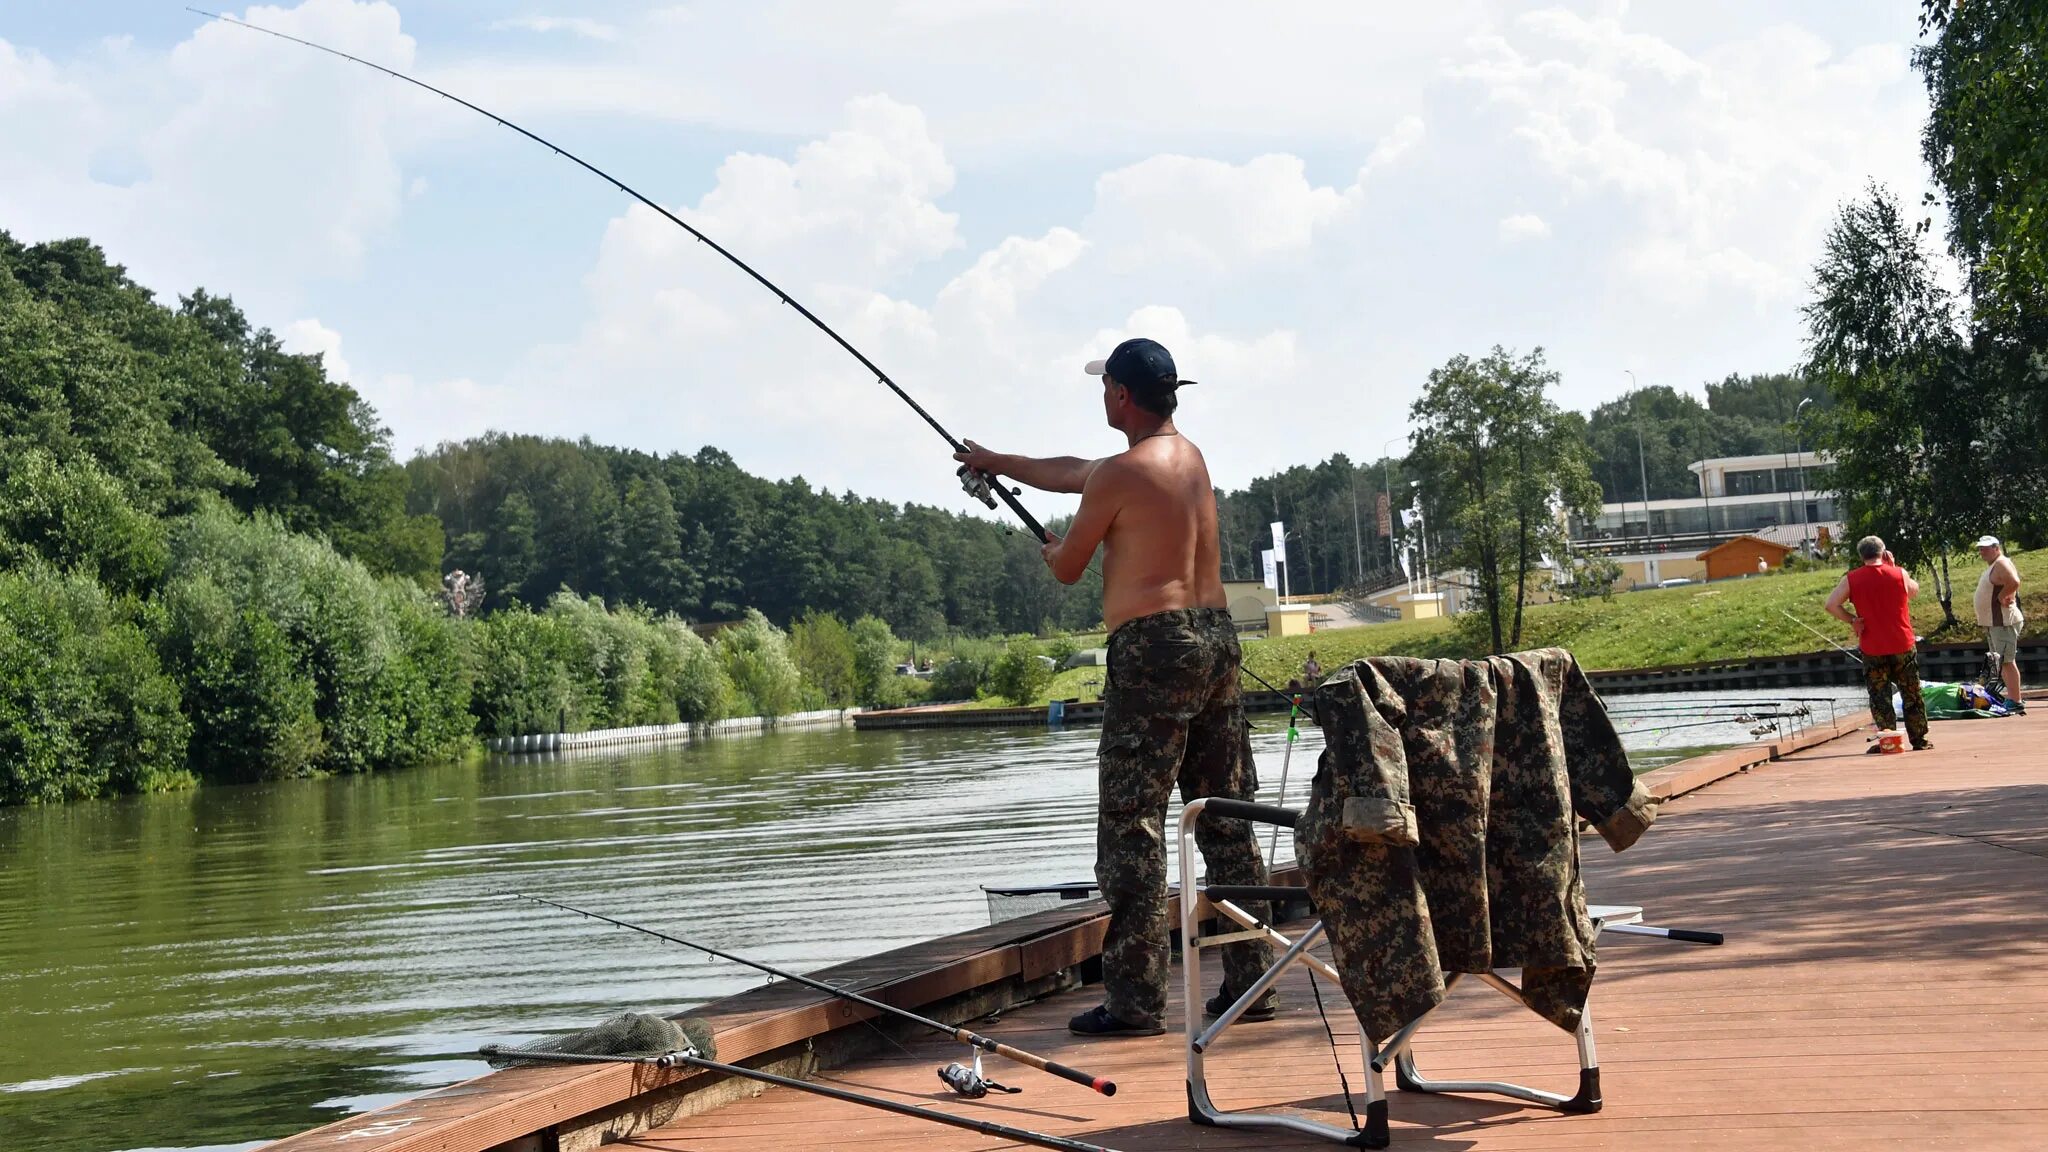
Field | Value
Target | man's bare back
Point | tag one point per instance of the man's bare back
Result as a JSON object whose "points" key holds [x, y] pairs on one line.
{"points": [[1159, 547]]}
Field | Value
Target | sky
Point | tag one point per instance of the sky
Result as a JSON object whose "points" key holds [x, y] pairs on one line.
{"points": [[1312, 205]]}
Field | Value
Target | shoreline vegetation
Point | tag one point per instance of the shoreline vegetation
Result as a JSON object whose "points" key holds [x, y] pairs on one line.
{"points": [[1727, 619], [213, 570]]}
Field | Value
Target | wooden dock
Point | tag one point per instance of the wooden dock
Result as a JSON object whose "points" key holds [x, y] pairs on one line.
{"points": [[1884, 985]]}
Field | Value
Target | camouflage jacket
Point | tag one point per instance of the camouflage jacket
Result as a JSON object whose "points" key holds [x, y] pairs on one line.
{"points": [[1439, 836]]}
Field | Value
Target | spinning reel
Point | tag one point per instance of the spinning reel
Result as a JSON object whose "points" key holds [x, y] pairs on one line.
{"points": [[976, 485], [969, 1082]]}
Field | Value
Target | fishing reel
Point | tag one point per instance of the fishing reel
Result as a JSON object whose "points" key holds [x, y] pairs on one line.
{"points": [[969, 1082], [976, 484]]}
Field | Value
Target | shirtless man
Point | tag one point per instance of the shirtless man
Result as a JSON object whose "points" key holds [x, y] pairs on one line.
{"points": [[1172, 708], [1998, 610]]}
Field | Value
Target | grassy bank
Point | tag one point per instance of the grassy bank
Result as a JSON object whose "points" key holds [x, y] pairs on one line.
{"points": [[1728, 620]]}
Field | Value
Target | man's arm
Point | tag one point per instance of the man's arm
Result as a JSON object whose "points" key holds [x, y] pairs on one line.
{"points": [[1068, 556], [1834, 608], [1047, 474], [2005, 582]]}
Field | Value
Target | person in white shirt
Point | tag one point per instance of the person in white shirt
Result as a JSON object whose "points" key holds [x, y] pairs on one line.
{"points": [[1998, 612]]}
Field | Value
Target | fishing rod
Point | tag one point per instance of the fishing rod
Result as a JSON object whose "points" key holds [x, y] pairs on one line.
{"points": [[983, 486], [689, 1057], [1273, 842], [1821, 634], [1100, 1084], [976, 483]]}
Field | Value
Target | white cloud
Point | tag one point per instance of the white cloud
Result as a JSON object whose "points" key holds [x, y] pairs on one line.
{"points": [[1405, 137], [1263, 196], [1186, 209], [577, 25], [233, 160], [309, 337], [1732, 158]]}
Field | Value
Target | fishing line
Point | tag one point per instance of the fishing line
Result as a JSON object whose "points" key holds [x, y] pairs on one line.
{"points": [[977, 484], [1821, 634], [981, 485]]}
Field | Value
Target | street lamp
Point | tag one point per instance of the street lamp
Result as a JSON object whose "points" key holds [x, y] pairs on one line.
{"points": [[1386, 486], [1799, 449], [1642, 470]]}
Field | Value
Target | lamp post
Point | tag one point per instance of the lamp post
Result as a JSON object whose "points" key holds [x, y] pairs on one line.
{"points": [[1642, 470], [1799, 449], [1386, 486]]}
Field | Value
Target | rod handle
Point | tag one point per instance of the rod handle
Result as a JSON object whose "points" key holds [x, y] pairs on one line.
{"points": [[1691, 936], [1102, 1084], [1246, 810]]}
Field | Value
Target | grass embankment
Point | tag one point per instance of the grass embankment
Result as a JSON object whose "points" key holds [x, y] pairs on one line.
{"points": [[1727, 620]]}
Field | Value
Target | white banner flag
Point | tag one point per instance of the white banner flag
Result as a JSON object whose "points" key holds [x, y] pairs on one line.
{"points": [[1272, 570], [1280, 538]]}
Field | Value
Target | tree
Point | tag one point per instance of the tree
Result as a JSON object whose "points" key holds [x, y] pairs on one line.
{"points": [[874, 661], [1501, 466], [1882, 338], [1020, 675], [1986, 72], [764, 677], [824, 653], [651, 565]]}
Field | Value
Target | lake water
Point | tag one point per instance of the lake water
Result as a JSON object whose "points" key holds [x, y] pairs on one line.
{"points": [[220, 967]]}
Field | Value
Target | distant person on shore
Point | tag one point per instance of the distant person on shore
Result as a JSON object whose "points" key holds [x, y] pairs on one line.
{"points": [[1883, 622], [1998, 612], [1311, 672], [1173, 711]]}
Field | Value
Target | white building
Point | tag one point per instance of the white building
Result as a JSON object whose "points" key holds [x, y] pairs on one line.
{"points": [[1779, 497]]}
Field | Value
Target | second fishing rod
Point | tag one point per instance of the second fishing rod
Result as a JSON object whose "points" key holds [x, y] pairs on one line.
{"points": [[1102, 1084]]}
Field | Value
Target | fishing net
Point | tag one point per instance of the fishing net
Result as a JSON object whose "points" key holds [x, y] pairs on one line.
{"points": [[627, 1035]]}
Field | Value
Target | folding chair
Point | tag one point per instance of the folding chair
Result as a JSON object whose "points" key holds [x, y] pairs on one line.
{"points": [[1225, 900]]}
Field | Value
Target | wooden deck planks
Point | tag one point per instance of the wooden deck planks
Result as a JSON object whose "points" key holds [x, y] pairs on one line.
{"points": [[1884, 985]]}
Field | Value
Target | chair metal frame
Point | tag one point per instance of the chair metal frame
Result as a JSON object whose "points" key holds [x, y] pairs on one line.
{"points": [[1397, 1052]]}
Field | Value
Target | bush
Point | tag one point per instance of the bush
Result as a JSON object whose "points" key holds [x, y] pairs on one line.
{"points": [[965, 673], [251, 708], [691, 672], [85, 708], [824, 653], [389, 669], [1061, 649], [756, 656], [77, 517], [1020, 675], [577, 667], [876, 684], [523, 682]]}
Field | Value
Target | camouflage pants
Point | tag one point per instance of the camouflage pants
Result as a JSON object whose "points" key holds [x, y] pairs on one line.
{"points": [[1172, 714], [1880, 674]]}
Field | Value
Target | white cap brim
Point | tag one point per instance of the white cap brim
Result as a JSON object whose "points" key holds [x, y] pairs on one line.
{"points": [[1988, 542], [1096, 367]]}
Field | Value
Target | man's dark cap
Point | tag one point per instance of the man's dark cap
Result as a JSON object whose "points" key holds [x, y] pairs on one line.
{"points": [[1139, 363]]}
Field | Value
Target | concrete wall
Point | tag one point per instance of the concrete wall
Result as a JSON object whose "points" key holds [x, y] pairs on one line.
{"points": [[662, 733]]}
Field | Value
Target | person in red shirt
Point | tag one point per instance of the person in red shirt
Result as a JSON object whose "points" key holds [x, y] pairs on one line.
{"points": [[1883, 622]]}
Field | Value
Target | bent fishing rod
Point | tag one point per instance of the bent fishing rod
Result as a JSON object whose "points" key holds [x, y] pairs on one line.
{"points": [[983, 486], [1821, 634], [690, 1058], [977, 484], [1101, 1084]]}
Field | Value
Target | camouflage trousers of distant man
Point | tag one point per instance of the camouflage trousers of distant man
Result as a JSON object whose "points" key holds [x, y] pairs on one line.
{"points": [[1173, 713], [1880, 675]]}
